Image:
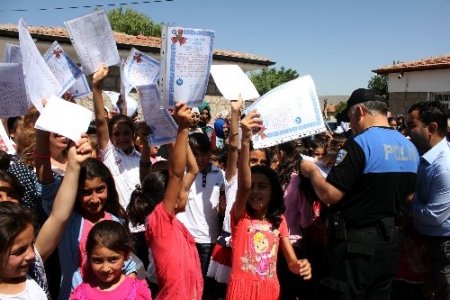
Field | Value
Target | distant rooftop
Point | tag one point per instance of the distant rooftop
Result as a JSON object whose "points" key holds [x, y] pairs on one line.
{"points": [[148, 43], [431, 63]]}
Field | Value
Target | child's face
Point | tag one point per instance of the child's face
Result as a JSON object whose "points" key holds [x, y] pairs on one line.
{"points": [[260, 192], [319, 153], [122, 136], [7, 193], [107, 264], [202, 159], [93, 196], [16, 262], [257, 157]]}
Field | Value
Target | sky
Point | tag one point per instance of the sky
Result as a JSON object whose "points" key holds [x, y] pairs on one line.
{"points": [[338, 43]]}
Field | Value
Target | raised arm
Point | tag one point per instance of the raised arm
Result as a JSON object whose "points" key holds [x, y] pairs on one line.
{"points": [[145, 165], [177, 159], [250, 122], [191, 171], [100, 121], [233, 139], [41, 157], [50, 233]]}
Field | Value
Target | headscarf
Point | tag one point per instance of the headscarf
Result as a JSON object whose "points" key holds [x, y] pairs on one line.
{"points": [[218, 127]]}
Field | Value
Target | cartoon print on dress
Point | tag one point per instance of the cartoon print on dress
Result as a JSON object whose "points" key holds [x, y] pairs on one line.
{"points": [[259, 258]]}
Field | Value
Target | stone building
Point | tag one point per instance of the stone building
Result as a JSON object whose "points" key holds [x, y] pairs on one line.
{"points": [[418, 80], [45, 36]]}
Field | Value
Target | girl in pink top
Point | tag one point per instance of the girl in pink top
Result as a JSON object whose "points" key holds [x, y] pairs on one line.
{"points": [[173, 248], [108, 246], [258, 228]]}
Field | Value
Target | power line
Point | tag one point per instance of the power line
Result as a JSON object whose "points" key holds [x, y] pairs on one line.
{"points": [[87, 6]]}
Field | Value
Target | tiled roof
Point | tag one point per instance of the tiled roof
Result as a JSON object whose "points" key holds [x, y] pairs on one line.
{"points": [[123, 39], [432, 63]]}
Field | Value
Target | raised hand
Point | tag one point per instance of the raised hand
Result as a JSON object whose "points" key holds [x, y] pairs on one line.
{"points": [[236, 105], [80, 151], [99, 75], [183, 115], [251, 123]]}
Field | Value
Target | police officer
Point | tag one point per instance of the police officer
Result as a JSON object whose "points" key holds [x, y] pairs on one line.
{"points": [[374, 174]]}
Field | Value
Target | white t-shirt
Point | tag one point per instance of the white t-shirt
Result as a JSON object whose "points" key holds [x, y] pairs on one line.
{"points": [[200, 216], [32, 291], [124, 169], [230, 194]]}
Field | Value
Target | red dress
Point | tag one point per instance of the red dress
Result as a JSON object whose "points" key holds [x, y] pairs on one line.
{"points": [[254, 259], [176, 257]]}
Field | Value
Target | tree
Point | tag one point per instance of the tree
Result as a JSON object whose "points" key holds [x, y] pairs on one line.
{"points": [[270, 78], [380, 84], [132, 22]]}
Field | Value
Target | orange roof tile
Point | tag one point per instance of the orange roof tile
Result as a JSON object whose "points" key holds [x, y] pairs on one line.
{"points": [[431, 63], [123, 39]]}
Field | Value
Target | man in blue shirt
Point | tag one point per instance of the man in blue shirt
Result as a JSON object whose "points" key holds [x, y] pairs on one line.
{"points": [[427, 126]]}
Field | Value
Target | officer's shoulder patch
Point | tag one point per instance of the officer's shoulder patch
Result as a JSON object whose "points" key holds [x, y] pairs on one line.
{"points": [[340, 156]]}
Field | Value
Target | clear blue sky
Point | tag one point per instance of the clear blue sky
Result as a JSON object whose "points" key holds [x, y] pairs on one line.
{"points": [[337, 42]]}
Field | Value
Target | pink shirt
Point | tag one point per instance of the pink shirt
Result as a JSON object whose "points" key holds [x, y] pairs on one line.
{"points": [[129, 289], [176, 257], [254, 259]]}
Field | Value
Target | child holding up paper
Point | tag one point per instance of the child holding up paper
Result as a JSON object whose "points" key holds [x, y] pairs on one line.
{"points": [[22, 249], [258, 228], [116, 144]]}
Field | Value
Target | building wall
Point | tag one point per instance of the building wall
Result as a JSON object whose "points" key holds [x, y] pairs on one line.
{"points": [[420, 81], [411, 87], [399, 103]]}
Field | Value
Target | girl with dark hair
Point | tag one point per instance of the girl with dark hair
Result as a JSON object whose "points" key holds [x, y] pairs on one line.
{"points": [[176, 258], [108, 246], [116, 144], [25, 254], [258, 228], [97, 200]]}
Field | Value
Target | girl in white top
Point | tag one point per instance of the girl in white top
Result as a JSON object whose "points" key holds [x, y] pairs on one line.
{"points": [[18, 240], [116, 144]]}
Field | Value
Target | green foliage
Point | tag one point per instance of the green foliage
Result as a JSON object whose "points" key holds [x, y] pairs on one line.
{"points": [[270, 78], [340, 107], [132, 22], [380, 84]]}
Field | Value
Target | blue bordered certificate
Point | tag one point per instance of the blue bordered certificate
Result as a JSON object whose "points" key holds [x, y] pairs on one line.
{"points": [[62, 66], [289, 111], [162, 125], [186, 56], [141, 69]]}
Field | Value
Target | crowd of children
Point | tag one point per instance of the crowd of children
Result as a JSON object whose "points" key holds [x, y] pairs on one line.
{"points": [[207, 217]]}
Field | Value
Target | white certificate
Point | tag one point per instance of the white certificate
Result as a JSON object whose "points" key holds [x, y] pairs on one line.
{"points": [[39, 79], [5, 143], [232, 81], [62, 66], [12, 54], [141, 69], [289, 112], [186, 56], [162, 125], [64, 118], [93, 41], [80, 88], [13, 97]]}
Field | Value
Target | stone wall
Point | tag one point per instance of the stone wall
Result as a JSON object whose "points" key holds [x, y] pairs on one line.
{"points": [[399, 103]]}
